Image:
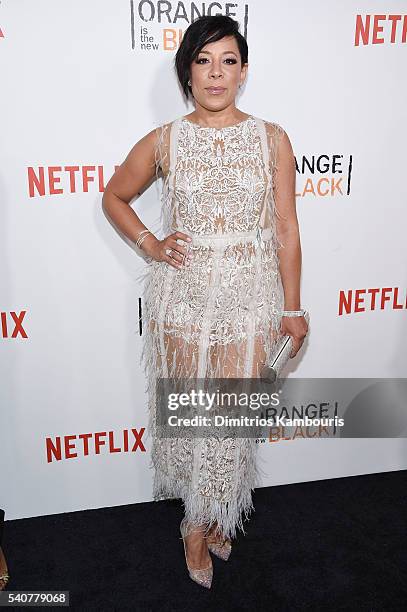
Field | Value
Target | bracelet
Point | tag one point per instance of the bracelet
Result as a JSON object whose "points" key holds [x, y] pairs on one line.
{"points": [[139, 241], [140, 234], [146, 231], [293, 313]]}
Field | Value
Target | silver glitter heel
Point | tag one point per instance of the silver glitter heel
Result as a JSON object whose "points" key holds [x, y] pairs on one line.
{"points": [[203, 577], [221, 550]]}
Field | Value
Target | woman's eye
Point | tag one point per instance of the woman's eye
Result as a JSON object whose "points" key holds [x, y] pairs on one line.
{"points": [[204, 59]]}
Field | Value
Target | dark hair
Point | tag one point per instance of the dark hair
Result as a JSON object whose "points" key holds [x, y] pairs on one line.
{"points": [[205, 29]]}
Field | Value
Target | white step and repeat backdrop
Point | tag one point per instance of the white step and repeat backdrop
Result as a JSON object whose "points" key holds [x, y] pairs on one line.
{"points": [[82, 81]]}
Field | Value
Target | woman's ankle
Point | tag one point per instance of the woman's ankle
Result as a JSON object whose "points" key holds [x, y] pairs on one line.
{"points": [[196, 547]]}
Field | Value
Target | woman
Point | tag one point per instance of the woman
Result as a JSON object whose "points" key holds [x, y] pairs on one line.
{"points": [[223, 283]]}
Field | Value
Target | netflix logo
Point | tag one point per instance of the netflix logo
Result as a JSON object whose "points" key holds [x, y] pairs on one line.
{"points": [[361, 300], [380, 29], [12, 324], [82, 445], [60, 180]]}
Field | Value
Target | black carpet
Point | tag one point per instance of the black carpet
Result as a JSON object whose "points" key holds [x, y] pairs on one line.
{"points": [[330, 545]]}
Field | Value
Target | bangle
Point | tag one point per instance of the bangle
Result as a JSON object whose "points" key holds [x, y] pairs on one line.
{"points": [[145, 231], [138, 241], [293, 313]]}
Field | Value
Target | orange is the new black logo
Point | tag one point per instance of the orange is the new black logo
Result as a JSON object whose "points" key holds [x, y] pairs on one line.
{"points": [[159, 26]]}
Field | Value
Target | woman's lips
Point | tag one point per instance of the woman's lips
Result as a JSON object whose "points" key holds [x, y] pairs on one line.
{"points": [[216, 90]]}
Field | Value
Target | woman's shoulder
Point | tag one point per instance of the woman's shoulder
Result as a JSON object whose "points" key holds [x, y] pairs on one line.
{"points": [[161, 137], [163, 127], [278, 140], [273, 128]]}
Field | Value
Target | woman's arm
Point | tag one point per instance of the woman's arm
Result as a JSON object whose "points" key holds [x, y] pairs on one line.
{"points": [[287, 225], [288, 235], [130, 178]]}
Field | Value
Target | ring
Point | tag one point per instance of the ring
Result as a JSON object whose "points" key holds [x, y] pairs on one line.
{"points": [[168, 251]]}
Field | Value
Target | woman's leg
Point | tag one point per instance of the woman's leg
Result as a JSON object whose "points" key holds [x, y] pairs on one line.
{"points": [[182, 358], [196, 547], [235, 360]]}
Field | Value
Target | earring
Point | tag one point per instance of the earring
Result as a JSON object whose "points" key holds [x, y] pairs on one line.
{"points": [[189, 83]]}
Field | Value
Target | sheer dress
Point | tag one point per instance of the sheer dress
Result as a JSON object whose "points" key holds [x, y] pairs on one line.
{"points": [[220, 315]]}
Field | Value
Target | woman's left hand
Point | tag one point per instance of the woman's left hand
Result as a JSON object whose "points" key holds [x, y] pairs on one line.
{"points": [[297, 328]]}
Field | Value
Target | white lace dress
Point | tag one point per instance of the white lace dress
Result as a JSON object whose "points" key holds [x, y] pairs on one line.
{"points": [[220, 316]]}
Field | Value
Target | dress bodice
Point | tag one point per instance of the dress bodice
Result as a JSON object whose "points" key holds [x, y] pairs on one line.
{"points": [[220, 181], [217, 180]]}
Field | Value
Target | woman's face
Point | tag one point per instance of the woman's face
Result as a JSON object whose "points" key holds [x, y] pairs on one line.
{"points": [[218, 65]]}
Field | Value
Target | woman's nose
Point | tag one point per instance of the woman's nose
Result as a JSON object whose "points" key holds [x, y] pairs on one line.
{"points": [[216, 71]]}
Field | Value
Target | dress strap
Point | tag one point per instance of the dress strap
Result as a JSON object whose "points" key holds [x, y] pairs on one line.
{"points": [[261, 128], [174, 133]]}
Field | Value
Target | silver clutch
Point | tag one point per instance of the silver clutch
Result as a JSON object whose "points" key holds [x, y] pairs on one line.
{"points": [[271, 371]]}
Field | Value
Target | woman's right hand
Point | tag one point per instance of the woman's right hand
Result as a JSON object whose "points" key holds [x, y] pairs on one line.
{"points": [[168, 250]]}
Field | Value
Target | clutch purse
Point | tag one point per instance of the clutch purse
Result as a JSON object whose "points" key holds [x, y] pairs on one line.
{"points": [[271, 371]]}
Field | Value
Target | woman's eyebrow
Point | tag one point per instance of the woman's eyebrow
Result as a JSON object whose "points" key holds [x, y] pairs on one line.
{"points": [[222, 53]]}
